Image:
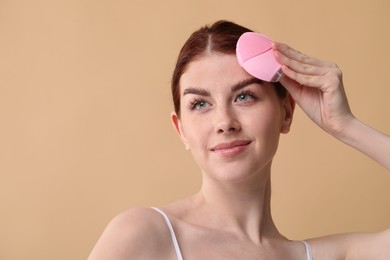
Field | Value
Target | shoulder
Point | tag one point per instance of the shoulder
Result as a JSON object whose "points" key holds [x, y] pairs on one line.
{"points": [[138, 233], [353, 246]]}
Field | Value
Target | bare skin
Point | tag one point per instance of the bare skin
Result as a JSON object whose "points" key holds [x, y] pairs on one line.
{"points": [[230, 217], [318, 89]]}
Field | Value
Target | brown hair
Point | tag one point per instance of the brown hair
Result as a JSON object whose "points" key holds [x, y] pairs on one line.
{"points": [[222, 36]]}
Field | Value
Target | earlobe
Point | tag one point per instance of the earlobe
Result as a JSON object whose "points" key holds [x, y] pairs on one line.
{"points": [[288, 107], [177, 125]]}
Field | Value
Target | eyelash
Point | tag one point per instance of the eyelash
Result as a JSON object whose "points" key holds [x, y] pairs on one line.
{"points": [[195, 102], [246, 93], [192, 105]]}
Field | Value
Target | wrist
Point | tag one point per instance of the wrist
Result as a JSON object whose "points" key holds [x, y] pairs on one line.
{"points": [[367, 140], [344, 129]]}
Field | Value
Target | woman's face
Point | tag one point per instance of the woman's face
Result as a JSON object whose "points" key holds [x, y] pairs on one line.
{"points": [[229, 120]]}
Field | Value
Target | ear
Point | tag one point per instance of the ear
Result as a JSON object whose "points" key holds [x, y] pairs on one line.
{"points": [[179, 130], [288, 107]]}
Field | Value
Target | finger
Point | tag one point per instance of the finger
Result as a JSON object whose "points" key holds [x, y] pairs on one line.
{"points": [[293, 87], [299, 67], [298, 56], [316, 81]]}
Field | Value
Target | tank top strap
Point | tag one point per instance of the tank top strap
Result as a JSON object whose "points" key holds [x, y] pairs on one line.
{"points": [[308, 250], [172, 232]]}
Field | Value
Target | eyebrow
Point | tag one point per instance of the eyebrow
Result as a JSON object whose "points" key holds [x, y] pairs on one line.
{"points": [[247, 82], [234, 88], [196, 91]]}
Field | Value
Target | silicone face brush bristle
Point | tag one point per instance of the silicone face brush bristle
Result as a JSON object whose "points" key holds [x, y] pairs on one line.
{"points": [[254, 53]]}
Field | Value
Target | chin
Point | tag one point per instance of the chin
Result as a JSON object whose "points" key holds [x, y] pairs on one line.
{"points": [[237, 172]]}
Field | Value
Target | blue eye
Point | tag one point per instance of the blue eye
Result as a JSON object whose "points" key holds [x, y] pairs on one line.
{"points": [[245, 97], [198, 105]]}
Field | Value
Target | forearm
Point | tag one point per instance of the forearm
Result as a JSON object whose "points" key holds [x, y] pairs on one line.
{"points": [[368, 141]]}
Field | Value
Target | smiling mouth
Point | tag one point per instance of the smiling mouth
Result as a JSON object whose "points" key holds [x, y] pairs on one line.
{"points": [[231, 149]]}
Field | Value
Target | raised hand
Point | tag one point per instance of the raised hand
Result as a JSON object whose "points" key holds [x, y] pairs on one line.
{"points": [[316, 86]]}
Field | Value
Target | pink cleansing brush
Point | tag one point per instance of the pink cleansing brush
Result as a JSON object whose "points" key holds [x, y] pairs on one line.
{"points": [[254, 53]]}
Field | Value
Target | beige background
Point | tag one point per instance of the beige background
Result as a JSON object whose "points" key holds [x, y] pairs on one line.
{"points": [[84, 117]]}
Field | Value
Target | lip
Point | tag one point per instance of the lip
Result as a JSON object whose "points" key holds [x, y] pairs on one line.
{"points": [[232, 148]]}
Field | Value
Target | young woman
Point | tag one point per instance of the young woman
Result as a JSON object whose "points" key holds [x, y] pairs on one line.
{"points": [[231, 122]]}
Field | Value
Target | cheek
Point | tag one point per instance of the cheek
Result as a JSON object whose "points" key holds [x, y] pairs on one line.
{"points": [[196, 131], [264, 120]]}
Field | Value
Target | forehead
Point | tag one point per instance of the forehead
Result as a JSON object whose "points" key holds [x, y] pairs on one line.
{"points": [[213, 70]]}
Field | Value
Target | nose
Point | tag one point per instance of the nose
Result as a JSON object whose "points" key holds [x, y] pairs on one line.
{"points": [[226, 121]]}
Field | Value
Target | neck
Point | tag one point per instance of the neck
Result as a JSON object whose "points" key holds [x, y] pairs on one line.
{"points": [[242, 208]]}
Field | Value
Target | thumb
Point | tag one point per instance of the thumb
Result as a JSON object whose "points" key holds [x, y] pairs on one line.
{"points": [[293, 87]]}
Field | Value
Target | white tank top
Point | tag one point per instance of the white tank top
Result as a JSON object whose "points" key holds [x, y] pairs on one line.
{"points": [[177, 248]]}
